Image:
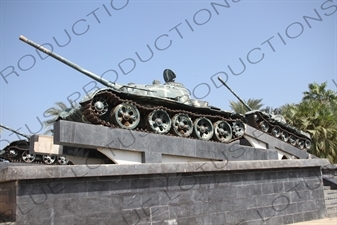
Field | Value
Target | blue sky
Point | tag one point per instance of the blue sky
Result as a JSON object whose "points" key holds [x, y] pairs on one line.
{"points": [[264, 49]]}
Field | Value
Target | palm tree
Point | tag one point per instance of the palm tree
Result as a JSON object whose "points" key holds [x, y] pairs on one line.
{"points": [[238, 107], [320, 122], [54, 112], [319, 93], [316, 114]]}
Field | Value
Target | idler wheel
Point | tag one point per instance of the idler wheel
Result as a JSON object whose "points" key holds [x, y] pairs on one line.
{"points": [[203, 128], [126, 116], [48, 159], [284, 136], [100, 105], [62, 160], [276, 131], [307, 144], [238, 129], [182, 125], [28, 158], [159, 121], [264, 126], [222, 131]]}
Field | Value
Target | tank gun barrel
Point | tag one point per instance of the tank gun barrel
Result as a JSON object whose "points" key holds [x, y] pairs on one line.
{"points": [[243, 102], [67, 62], [15, 131]]}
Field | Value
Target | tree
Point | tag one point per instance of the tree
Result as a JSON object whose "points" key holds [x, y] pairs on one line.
{"points": [[238, 107], [54, 112], [316, 115], [318, 93]]}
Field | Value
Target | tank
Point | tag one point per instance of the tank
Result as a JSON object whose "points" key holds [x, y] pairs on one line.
{"points": [[273, 123], [162, 108], [18, 152]]}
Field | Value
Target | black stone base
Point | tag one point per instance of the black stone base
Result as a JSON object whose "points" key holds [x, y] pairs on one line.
{"points": [[270, 192]]}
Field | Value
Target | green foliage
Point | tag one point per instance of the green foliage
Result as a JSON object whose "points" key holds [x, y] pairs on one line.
{"points": [[238, 107], [53, 112], [316, 115]]}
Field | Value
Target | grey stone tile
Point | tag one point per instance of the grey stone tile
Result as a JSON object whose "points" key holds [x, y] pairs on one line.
{"points": [[230, 192], [298, 217], [292, 208], [263, 201], [132, 201], [193, 210], [187, 221], [267, 188], [218, 218], [251, 214], [177, 211], [274, 220], [235, 178], [98, 188], [310, 216], [288, 219], [235, 217], [238, 204], [278, 187], [159, 213]]}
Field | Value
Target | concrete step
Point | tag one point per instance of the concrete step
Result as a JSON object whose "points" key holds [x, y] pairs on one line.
{"points": [[325, 221], [330, 197], [332, 203], [330, 192], [326, 188], [331, 212]]}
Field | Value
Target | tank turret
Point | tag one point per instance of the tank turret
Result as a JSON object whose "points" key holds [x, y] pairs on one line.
{"points": [[273, 123], [160, 108]]}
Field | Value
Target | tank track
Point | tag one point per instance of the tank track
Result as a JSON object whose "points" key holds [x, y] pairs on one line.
{"points": [[93, 118], [20, 150], [255, 122]]}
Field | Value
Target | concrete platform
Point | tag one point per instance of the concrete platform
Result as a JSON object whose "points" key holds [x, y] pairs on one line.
{"points": [[326, 221], [269, 142], [130, 146], [229, 192]]}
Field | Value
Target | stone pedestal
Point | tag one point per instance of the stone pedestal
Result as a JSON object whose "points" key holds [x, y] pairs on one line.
{"points": [[228, 192]]}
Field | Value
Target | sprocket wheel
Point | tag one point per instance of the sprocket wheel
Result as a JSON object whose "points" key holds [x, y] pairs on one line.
{"points": [[182, 125], [159, 121], [222, 131], [12, 153], [28, 158], [100, 105], [238, 129], [126, 116], [203, 128]]}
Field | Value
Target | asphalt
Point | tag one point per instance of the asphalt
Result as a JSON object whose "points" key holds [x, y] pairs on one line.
{"points": [[326, 221]]}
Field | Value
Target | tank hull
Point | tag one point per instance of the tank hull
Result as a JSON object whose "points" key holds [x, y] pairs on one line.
{"points": [[278, 128], [190, 110]]}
